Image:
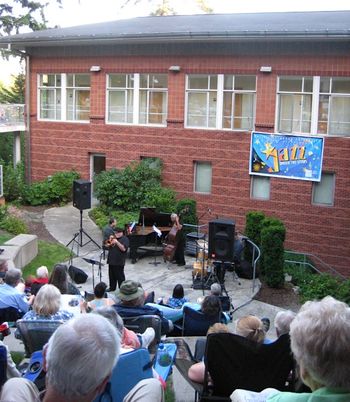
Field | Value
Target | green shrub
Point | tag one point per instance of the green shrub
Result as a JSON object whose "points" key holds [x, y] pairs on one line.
{"points": [[187, 208], [344, 292], [319, 286], [101, 216], [14, 225], [161, 198], [56, 189], [272, 250], [252, 231], [14, 182], [127, 189]]}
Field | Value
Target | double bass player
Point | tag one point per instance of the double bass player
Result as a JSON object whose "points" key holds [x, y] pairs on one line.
{"points": [[175, 249]]}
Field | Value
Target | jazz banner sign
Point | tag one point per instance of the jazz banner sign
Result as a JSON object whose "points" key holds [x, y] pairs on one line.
{"points": [[289, 156]]}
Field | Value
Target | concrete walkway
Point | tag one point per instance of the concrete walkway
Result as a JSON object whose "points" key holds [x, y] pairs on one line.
{"points": [[155, 275]]}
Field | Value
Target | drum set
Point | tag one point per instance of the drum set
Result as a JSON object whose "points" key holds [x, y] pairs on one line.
{"points": [[203, 272]]}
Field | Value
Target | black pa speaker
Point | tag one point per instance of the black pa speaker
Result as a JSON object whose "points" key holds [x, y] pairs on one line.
{"points": [[221, 239], [82, 194], [77, 275]]}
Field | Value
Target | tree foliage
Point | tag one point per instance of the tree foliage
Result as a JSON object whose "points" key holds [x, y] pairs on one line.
{"points": [[168, 7], [16, 14], [15, 93]]}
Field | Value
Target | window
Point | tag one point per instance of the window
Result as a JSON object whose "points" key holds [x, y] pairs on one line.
{"points": [[137, 99], [220, 101], [314, 105], [260, 188], [323, 191], [202, 177], [64, 97]]}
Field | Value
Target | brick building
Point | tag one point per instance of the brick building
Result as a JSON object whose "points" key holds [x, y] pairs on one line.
{"points": [[190, 90]]}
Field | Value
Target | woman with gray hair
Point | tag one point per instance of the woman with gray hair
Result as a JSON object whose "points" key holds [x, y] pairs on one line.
{"points": [[47, 305], [282, 321]]}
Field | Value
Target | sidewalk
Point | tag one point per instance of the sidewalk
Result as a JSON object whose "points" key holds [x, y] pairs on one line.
{"points": [[155, 275]]}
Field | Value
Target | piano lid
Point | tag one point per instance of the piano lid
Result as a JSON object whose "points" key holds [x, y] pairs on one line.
{"points": [[149, 217]]}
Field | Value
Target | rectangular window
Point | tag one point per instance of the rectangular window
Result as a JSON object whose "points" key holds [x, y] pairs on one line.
{"points": [[260, 188], [314, 105], [323, 191], [220, 101], [202, 177], [137, 99], [64, 97]]}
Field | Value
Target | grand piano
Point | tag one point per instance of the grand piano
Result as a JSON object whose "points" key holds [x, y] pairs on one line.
{"points": [[143, 239]]}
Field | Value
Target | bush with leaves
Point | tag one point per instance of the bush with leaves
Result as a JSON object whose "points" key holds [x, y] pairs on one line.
{"points": [[56, 189], [319, 286], [161, 198], [252, 231], [11, 223], [14, 183], [130, 188], [187, 208], [273, 234], [101, 217]]}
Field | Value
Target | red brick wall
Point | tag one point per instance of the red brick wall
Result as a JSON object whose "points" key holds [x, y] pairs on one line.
{"points": [[324, 231]]}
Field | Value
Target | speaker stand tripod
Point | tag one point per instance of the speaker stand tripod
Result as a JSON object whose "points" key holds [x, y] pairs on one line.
{"points": [[78, 236]]}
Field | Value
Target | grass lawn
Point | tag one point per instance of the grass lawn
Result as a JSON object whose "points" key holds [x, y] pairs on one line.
{"points": [[49, 254]]}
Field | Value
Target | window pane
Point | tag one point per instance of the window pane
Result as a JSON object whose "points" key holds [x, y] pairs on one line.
{"points": [[212, 109], [117, 106], [117, 80], [213, 82], [197, 110], [341, 85], [82, 105], [323, 192], [227, 110], [70, 80], [144, 80], [157, 101], [82, 80], [324, 85], [308, 83], [203, 176], [198, 82], [339, 123], [47, 104], [244, 111], [245, 82], [290, 84], [260, 188], [143, 107], [323, 114], [228, 82], [157, 81]]}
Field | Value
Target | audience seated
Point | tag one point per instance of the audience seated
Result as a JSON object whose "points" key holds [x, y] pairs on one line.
{"points": [[132, 304], [178, 297], [11, 366], [251, 327], [94, 343], [282, 321], [3, 270], [12, 292], [100, 300], [59, 278], [46, 305], [42, 278], [197, 370], [128, 339]]}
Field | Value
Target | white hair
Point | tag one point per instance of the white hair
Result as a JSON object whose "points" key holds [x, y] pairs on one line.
{"points": [[47, 301], [215, 289], [320, 341], [13, 276], [81, 354], [283, 320], [42, 272]]}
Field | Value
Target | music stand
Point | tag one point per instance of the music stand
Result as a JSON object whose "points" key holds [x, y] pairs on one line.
{"points": [[93, 263], [155, 262], [78, 236]]}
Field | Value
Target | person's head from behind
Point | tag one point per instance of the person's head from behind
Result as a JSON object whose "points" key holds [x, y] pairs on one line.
{"points": [[211, 306], [94, 342], [218, 328], [100, 290], [251, 327], [215, 289], [178, 291], [282, 321], [320, 339], [131, 293], [42, 272], [13, 277], [59, 277], [47, 301], [3, 266], [111, 314], [112, 222]]}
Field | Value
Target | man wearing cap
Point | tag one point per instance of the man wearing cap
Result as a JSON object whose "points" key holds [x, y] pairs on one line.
{"points": [[132, 298], [117, 250]]}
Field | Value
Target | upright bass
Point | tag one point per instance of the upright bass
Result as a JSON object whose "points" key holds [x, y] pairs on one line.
{"points": [[172, 238]]}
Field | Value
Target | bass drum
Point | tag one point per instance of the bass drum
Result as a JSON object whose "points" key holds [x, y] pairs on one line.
{"points": [[197, 271]]}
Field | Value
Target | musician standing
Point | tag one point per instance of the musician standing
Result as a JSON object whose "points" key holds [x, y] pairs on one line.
{"points": [[180, 241], [108, 230], [118, 248]]}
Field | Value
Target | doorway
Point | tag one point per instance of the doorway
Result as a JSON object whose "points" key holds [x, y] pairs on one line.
{"points": [[97, 165]]}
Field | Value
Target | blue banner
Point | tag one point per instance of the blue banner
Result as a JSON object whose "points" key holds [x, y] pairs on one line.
{"points": [[290, 156]]}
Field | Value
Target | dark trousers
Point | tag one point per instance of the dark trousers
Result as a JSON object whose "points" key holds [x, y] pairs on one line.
{"points": [[180, 250], [116, 275]]}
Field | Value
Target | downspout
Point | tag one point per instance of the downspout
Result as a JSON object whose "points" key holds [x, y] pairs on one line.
{"points": [[27, 113]]}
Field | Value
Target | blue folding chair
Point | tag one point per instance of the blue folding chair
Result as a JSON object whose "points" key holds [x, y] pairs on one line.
{"points": [[35, 370], [164, 371], [132, 367], [3, 365], [195, 323]]}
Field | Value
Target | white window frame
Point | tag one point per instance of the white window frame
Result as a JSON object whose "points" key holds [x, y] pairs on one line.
{"points": [[196, 164], [63, 88], [314, 184], [219, 101], [136, 100], [262, 179], [316, 94]]}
